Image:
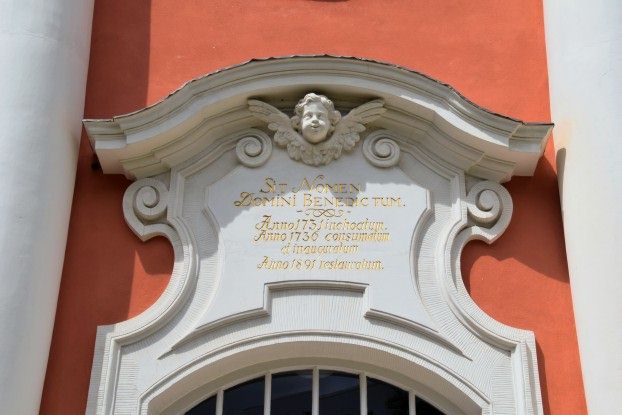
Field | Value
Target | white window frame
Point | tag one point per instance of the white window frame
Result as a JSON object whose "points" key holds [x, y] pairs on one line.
{"points": [[315, 370]]}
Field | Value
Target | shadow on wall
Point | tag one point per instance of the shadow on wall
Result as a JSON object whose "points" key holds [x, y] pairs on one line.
{"points": [[523, 280], [535, 235], [560, 161], [96, 290]]}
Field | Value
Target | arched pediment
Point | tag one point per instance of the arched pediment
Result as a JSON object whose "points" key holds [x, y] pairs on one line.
{"points": [[334, 222], [481, 143]]}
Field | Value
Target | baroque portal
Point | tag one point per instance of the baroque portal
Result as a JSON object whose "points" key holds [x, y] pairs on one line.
{"points": [[316, 229]]}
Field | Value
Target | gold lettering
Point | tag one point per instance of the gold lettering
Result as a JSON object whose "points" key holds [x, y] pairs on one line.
{"points": [[307, 200], [270, 186], [245, 199], [268, 263]]}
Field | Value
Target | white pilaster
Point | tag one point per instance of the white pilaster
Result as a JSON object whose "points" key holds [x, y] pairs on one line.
{"points": [[44, 52], [584, 46]]}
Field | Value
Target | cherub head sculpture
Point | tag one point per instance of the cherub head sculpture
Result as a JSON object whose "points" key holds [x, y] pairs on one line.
{"points": [[315, 118], [317, 133]]}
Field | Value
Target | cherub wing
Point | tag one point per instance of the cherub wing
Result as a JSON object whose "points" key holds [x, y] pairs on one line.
{"points": [[347, 130], [277, 121]]}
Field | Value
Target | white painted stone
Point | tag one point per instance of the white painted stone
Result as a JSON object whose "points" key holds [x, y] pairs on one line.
{"points": [[224, 316], [44, 52], [151, 141], [316, 134], [584, 48], [382, 266]]}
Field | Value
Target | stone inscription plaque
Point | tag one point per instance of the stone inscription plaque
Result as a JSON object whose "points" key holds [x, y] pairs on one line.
{"points": [[286, 221]]}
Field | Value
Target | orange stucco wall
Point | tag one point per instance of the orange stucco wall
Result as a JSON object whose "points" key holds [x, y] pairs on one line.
{"points": [[492, 51]]}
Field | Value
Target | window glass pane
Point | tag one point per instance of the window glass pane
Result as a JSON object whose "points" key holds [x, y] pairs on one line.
{"points": [[244, 399], [424, 408], [385, 399], [291, 393], [207, 407], [339, 393]]}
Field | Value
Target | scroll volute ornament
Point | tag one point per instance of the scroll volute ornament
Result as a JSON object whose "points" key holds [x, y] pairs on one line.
{"points": [[317, 133]]}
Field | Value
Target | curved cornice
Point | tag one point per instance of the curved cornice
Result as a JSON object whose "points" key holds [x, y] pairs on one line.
{"points": [[154, 139]]}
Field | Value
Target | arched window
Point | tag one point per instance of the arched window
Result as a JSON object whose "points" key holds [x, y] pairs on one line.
{"points": [[313, 391]]}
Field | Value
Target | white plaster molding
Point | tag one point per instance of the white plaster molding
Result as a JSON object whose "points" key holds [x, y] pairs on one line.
{"points": [[254, 149], [381, 150], [408, 313], [152, 140]]}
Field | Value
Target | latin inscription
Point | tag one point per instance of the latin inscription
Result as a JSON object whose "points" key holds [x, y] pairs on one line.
{"points": [[322, 233]]}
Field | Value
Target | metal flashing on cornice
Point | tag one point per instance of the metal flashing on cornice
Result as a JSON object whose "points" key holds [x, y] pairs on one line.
{"points": [[154, 139]]}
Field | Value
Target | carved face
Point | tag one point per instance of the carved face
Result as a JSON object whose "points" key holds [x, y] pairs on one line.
{"points": [[314, 123]]}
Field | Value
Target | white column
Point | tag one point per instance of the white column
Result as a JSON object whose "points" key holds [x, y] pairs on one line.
{"points": [[44, 52], [584, 47]]}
